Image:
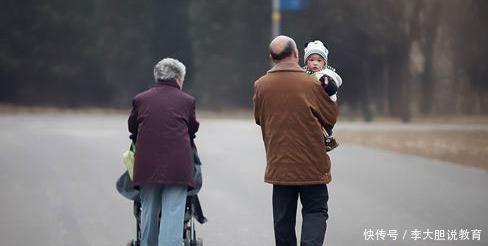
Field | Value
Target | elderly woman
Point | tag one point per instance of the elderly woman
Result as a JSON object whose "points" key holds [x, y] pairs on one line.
{"points": [[161, 124]]}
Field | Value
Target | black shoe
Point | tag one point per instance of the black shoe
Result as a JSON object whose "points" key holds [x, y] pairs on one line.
{"points": [[330, 143]]}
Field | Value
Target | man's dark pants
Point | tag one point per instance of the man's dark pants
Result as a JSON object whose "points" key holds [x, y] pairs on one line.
{"points": [[314, 213]]}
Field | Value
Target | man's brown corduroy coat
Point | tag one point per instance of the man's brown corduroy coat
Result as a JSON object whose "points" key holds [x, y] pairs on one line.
{"points": [[291, 108]]}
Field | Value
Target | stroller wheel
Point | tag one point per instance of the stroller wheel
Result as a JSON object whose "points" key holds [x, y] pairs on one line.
{"points": [[133, 243], [198, 242]]}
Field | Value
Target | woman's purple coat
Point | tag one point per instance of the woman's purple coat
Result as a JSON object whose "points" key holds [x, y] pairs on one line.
{"points": [[161, 123]]}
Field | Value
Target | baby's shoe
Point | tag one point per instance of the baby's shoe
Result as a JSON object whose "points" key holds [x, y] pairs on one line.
{"points": [[330, 143]]}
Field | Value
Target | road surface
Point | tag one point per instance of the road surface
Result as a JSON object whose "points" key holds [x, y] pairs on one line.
{"points": [[57, 177]]}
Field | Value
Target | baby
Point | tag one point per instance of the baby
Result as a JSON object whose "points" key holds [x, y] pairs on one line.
{"points": [[315, 59]]}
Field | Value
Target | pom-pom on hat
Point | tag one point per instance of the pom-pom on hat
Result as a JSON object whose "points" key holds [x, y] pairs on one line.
{"points": [[315, 47]]}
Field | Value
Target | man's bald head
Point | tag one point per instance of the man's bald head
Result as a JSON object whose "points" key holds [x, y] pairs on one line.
{"points": [[283, 47]]}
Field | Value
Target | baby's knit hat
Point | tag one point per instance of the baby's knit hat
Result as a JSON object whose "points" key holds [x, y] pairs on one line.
{"points": [[315, 47]]}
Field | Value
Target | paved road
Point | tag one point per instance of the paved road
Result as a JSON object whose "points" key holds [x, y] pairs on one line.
{"points": [[57, 175]]}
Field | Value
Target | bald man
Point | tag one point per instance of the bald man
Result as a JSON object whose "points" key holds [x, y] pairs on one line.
{"points": [[292, 109]]}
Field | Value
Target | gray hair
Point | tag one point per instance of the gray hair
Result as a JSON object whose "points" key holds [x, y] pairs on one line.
{"points": [[169, 69]]}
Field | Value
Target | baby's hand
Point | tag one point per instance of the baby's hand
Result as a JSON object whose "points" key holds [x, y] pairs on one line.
{"points": [[324, 79]]}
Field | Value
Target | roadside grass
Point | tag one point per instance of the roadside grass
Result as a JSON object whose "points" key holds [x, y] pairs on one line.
{"points": [[468, 148]]}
